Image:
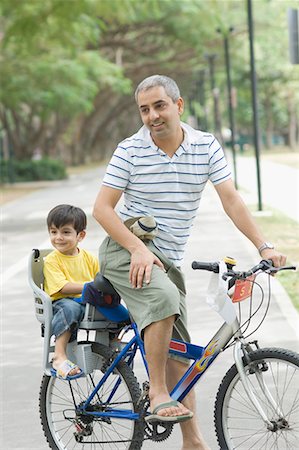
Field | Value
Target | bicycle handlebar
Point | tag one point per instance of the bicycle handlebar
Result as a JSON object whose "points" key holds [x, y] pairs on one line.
{"points": [[211, 267], [264, 266]]}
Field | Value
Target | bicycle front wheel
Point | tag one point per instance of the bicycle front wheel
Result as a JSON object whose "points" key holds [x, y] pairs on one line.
{"points": [[273, 375], [66, 428]]}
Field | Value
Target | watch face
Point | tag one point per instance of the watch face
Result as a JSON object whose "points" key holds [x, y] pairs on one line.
{"points": [[269, 245]]}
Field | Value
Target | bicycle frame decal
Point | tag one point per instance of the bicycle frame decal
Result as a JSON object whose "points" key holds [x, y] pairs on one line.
{"points": [[209, 352], [178, 346], [195, 371]]}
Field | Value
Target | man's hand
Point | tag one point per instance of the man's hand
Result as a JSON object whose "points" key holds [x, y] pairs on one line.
{"points": [[277, 258], [142, 261]]}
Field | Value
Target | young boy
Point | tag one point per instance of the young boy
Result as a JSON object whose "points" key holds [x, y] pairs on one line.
{"points": [[66, 270]]}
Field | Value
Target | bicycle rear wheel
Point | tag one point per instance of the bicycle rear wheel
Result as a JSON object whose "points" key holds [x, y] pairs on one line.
{"points": [[238, 424], [65, 429]]}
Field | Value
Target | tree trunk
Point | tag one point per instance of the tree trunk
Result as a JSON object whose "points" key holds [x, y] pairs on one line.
{"points": [[292, 123], [269, 123]]}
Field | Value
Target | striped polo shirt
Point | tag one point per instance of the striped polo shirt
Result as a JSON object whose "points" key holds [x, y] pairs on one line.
{"points": [[168, 189]]}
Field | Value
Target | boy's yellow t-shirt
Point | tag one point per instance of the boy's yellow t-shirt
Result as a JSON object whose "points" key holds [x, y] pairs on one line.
{"points": [[61, 269]]}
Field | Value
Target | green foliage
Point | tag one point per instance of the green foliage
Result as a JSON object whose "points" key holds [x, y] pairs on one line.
{"points": [[65, 62], [28, 170], [57, 82], [46, 62]]}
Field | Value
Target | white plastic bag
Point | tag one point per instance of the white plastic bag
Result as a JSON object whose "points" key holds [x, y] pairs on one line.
{"points": [[217, 297]]}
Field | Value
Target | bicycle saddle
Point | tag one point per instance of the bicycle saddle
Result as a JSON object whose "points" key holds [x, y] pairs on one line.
{"points": [[104, 285]]}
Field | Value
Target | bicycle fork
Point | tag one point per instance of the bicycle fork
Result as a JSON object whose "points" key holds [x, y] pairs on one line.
{"points": [[238, 354]]}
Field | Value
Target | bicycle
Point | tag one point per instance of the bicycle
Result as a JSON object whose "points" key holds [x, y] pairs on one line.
{"points": [[256, 406]]}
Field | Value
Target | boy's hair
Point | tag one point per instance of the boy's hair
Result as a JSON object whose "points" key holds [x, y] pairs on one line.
{"points": [[170, 86], [67, 215]]}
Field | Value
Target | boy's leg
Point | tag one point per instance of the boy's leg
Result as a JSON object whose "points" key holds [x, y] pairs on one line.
{"points": [[67, 316], [60, 352]]}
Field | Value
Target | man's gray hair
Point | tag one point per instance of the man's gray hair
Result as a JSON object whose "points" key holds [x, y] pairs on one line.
{"points": [[170, 86]]}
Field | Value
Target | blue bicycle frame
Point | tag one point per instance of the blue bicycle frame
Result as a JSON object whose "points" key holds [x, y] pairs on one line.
{"points": [[202, 358]]}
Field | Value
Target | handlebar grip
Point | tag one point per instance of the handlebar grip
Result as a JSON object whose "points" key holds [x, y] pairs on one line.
{"points": [[210, 267]]}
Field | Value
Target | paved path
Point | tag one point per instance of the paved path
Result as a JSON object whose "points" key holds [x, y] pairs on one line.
{"points": [[279, 185], [23, 225]]}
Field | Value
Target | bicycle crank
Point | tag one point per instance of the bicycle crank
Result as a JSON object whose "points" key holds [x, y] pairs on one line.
{"points": [[155, 432], [158, 431]]}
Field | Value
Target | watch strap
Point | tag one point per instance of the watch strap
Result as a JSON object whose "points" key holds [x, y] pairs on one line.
{"points": [[264, 246]]}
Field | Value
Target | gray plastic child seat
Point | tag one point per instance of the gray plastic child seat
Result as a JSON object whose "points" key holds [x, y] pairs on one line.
{"points": [[93, 319]]}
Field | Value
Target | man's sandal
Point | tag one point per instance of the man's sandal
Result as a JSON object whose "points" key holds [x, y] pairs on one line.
{"points": [[154, 417], [64, 369]]}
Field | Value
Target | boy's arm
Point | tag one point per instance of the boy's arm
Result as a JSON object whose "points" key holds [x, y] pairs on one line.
{"points": [[72, 288], [56, 282]]}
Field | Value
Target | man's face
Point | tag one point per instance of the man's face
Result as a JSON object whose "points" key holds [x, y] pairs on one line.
{"points": [[159, 113]]}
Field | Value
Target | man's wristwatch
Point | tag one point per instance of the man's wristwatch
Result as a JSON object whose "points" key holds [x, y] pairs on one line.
{"points": [[264, 246]]}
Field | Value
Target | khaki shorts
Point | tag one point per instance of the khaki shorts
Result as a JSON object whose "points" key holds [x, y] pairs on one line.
{"points": [[163, 297]]}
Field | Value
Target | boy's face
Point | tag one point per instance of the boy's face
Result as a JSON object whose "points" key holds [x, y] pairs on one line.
{"points": [[65, 239]]}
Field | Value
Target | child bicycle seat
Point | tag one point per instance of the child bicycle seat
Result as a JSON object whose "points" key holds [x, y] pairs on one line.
{"points": [[118, 313], [101, 294], [103, 320]]}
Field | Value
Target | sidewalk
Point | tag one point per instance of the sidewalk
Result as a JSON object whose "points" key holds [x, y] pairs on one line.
{"points": [[279, 184]]}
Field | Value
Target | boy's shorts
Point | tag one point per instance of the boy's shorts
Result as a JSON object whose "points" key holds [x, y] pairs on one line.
{"points": [[163, 297], [67, 315]]}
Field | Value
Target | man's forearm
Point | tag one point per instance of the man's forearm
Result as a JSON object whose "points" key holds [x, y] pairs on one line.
{"points": [[112, 224], [242, 218]]}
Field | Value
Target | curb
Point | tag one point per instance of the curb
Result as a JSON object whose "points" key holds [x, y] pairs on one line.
{"points": [[286, 306]]}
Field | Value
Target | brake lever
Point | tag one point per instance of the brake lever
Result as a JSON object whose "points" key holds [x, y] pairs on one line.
{"points": [[230, 273], [277, 269]]}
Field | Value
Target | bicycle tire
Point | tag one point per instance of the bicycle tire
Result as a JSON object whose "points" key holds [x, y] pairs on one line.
{"points": [[238, 425], [58, 416]]}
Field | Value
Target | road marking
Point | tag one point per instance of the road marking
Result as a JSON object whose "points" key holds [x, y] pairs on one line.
{"points": [[13, 270], [80, 188], [37, 215]]}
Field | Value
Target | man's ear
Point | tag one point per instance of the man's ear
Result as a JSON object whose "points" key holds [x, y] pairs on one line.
{"points": [[81, 235], [180, 103]]}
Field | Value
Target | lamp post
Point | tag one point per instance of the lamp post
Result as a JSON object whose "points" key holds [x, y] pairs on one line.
{"points": [[200, 85], [211, 61], [225, 35], [256, 131]]}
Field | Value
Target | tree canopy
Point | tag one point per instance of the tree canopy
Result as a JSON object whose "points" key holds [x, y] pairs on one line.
{"points": [[68, 68]]}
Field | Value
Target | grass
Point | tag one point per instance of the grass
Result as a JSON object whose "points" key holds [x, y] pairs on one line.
{"points": [[284, 232], [277, 154]]}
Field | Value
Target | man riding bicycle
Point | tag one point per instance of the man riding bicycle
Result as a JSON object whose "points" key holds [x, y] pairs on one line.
{"points": [[162, 171]]}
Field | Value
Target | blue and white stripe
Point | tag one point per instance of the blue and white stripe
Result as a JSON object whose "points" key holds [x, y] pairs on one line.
{"points": [[167, 188]]}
